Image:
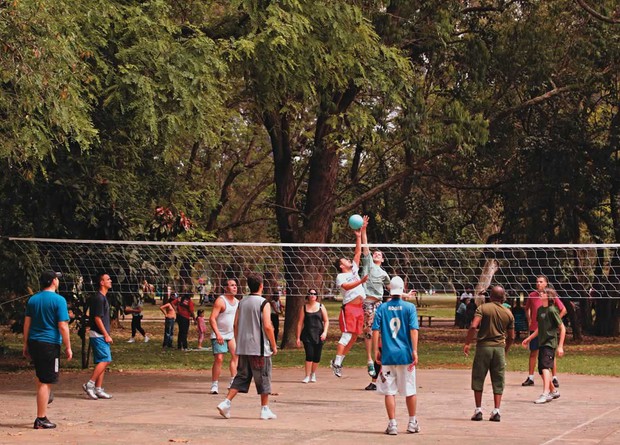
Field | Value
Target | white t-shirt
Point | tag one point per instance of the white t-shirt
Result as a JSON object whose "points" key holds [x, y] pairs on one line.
{"points": [[349, 277]]}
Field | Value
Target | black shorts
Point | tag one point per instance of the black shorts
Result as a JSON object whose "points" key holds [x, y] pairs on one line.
{"points": [[46, 359], [546, 357]]}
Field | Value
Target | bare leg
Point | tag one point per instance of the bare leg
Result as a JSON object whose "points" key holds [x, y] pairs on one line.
{"points": [[216, 369], [546, 376], [497, 399], [43, 395], [478, 398], [532, 362], [390, 406], [349, 345], [98, 373], [264, 399], [308, 367], [411, 405], [232, 347]]}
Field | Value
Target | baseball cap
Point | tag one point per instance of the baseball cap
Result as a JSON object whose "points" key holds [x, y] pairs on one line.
{"points": [[47, 277], [397, 286]]}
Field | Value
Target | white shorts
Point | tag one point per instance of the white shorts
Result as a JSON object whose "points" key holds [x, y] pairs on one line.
{"points": [[396, 380]]}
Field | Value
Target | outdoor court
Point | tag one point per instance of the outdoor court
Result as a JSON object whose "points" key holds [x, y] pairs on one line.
{"points": [[175, 407]]}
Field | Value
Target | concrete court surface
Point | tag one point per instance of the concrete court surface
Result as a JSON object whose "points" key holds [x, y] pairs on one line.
{"points": [[160, 407]]}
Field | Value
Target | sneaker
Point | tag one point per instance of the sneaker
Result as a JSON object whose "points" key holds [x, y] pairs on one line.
{"points": [[477, 416], [495, 417], [131, 340], [102, 394], [392, 429], [214, 389], [43, 424], [306, 379], [413, 426], [555, 394], [313, 378], [146, 338], [267, 414], [555, 382], [224, 409], [90, 390], [371, 370], [528, 382], [371, 387], [544, 398], [336, 368]]}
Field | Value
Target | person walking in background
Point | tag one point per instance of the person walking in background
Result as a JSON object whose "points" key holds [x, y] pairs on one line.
{"points": [[277, 309], [222, 321], [550, 326], [495, 326], [136, 319], [170, 315], [531, 309], [46, 326], [185, 313], [312, 332], [100, 339], [396, 326], [201, 327], [255, 346]]}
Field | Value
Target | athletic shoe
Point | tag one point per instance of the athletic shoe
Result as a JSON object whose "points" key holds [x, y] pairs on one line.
{"points": [[371, 387], [102, 394], [477, 416], [313, 378], [90, 390], [306, 379], [413, 426], [336, 368], [544, 398], [528, 382], [267, 414], [50, 399], [43, 424], [146, 338], [224, 409], [555, 382], [371, 370], [392, 429], [495, 417], [214, 389], [555, 394], [131, 340]]}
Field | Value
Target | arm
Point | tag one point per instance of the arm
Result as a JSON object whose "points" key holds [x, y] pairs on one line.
{"points": [[358, 246], [530, 338], [353, 284], [561, 341], [63, 327], [300, 325], [217, 308], [236, 324], [510, 338], [268, 328], [27, 323], [375, 346], [475, 323], [325, 323], [106, 335], [561, 307], [414, 343], [365, 249], [163, 307]]}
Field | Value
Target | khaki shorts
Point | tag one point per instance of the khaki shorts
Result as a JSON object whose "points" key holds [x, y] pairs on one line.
{"points": [[489, 358]]}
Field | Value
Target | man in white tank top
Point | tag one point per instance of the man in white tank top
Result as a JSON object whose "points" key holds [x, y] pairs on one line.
{"points": [[222, 321]]}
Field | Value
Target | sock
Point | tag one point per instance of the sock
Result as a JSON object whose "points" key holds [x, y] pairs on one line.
{"points": [[478, 409], [90, 383], [339, 359], [265, 407], [495, 411], [214, 382], [98, 388], [531, 376], [392, 421], [554, 378], [370, 362], [226, 402], [412, 419]]}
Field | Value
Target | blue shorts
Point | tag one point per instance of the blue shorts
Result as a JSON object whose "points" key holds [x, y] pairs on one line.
{"points": [[219, 349], [101, 350], [534, 343]]}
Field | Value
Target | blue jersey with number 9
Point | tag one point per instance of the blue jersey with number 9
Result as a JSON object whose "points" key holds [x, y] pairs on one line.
{"points": [[394, 320]]}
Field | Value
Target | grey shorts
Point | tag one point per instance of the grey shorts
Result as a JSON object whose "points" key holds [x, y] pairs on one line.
{"points": [[252, 367]]}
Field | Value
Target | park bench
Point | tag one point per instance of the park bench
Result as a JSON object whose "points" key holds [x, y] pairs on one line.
{"points": [[428, 317]]}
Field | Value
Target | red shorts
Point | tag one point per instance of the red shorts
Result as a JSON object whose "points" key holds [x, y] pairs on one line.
{"points": [[351, 318]]}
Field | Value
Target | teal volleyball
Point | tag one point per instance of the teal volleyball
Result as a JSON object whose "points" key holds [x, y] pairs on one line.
{"points": [[356, 222]]}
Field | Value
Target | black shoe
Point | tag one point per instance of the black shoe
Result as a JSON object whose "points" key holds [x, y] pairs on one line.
{"points": [[555, 382], [477, 416], [371, 387], [43, 423], [528, 382], [51, 398], [495, 417]]}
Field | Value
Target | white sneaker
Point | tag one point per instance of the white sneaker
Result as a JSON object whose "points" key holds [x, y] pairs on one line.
{"points": [[306, 379], [224, 409], [90, 390], [131, 340], [544, 398], [313, 378], [214, 389], [555, 394], [413, 427], [146, 338], [267, 414], [102, 394], [392, 429]]}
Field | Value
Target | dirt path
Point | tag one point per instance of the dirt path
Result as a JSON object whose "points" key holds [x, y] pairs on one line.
{"points": [[175, 407]]}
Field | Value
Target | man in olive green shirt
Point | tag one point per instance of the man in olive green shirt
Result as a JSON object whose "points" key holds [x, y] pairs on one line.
{"points": [[495, 325]]}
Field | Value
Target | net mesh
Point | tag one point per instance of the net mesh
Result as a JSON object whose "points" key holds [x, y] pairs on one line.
{"points": [[290, 269]]}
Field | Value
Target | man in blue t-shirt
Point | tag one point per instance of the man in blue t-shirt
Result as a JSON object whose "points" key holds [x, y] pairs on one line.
{"points": [[396, 325], [46, 326]]}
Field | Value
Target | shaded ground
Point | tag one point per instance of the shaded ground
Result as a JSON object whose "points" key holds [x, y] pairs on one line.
{"points": [[175, 407]]}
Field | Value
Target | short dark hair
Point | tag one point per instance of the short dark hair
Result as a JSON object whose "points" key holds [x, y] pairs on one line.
{"points": [[254, 281], [337, 264], [99, 278]]}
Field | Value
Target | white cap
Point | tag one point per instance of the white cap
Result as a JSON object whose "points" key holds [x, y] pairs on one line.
{"points": [[397, 286]]}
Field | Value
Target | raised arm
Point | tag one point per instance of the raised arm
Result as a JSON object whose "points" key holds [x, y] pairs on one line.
{"points": [[365, 248], [358, 246]]}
